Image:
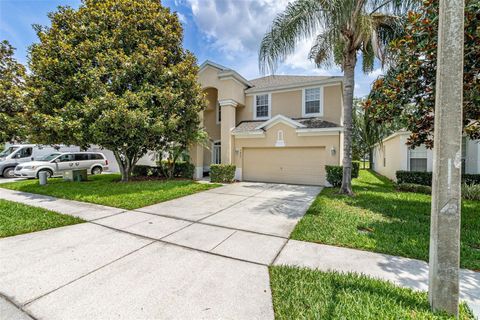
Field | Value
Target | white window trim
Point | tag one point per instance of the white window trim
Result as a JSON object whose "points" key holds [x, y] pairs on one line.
{"points": [[254, 106], [319, 114], [409, 158], [217, 113]]}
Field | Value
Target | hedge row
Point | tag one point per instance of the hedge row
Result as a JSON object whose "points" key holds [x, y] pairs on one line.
{"points": [[425, 178], [223, 173], [335, 173], [469, 191], [182, 170]]}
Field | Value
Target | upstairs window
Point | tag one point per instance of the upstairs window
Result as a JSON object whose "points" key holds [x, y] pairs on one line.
{"points": [[262, 106], [312, 102]]}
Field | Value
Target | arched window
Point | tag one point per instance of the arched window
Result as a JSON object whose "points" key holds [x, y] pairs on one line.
{"points": [[280, 140]]}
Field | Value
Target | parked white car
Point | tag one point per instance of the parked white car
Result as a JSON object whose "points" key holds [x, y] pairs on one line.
{"points": [[56, 163], [16, 154]]}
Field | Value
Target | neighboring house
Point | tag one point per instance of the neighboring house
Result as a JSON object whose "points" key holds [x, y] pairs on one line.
{"points": [[394, 155], [280, 128]]}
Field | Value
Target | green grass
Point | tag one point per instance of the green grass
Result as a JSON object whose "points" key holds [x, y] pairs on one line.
{"points": [[380, 219], [17, 218], [312, 294], [107, 190]]}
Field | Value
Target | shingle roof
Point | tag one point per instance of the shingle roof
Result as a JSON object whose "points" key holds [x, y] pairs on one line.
{"points": [[285, 80], [310, 123]]}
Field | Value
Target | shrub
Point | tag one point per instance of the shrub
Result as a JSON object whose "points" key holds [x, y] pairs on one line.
{"points": [[469, 178], [425, 178], [184, 170], [355, 169], [146, 171], [414, 177], [412, 187], [334, 175], [471, 191], [224, 173]]}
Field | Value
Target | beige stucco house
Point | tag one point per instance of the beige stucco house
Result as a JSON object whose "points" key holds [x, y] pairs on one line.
{"points": [[280, 128], [394, 154]]}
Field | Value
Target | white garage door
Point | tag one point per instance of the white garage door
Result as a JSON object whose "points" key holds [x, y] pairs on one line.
{"points": [[285, 165]]}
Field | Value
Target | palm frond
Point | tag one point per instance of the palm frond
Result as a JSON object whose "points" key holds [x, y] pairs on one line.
{"points": [[301, 19]]}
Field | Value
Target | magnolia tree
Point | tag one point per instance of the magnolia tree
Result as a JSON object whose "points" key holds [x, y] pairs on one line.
{"points": [[407, 91], [114, 73], [12, 95]]}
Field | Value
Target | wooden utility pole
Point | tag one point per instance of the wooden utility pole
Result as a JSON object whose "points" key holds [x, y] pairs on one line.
{"points": [[446, 191]]}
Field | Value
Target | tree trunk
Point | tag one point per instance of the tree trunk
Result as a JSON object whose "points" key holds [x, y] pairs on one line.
{"points": [[348, 87], [125, 167], [370, 158]]}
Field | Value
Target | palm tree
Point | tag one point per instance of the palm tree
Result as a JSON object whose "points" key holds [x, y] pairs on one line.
{"points": [[344, 29]]}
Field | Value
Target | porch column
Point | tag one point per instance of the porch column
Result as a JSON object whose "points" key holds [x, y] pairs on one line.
{"points": [[227, 124]]}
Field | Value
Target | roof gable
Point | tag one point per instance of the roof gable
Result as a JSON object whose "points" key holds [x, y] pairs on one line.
{"points": [[280, 119]]}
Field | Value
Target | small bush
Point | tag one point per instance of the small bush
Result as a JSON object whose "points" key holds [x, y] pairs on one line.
{"points": [[334, 175], [471, 191], [411, 187], [184, 170], [224, 173], [470, 179], [414, 177], [355, 169], [145, 171]]}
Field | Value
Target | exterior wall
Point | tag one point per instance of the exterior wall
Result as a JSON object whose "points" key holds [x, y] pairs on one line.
{"points": [[397, 156], [228, 88], [395, 152], [289, 103], [291, 139]]}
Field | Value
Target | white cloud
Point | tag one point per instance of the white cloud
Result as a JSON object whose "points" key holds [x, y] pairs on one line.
{"points": [[235, 26]]}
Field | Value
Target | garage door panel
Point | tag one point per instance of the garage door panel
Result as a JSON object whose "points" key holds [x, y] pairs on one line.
{"points": [[285, 165]]}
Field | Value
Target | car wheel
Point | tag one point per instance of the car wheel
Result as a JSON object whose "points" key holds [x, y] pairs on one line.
{"points": [[9, 173], [49, 173], [97, 170]]}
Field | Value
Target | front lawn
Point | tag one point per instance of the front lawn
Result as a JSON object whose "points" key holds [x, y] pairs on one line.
{"points": [[17, 218], [107, 190], [380, 219], [311, 294]]}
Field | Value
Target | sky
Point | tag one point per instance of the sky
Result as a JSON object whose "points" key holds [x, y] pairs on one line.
{"points": [[227, 32]]}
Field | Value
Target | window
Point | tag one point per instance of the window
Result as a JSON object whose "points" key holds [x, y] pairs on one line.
{"points": [[312, 102], [24, 153], [81, 156], [95, 156], [418, 159], [66, 158], [219, 113], [217, 153], [280, 142], [262, 106]]}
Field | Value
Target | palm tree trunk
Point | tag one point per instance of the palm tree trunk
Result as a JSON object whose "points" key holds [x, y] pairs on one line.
{"points": [[349, 85]]}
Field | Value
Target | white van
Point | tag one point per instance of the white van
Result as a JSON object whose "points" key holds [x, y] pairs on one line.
{"points": [[16, 154], [57, 163]]}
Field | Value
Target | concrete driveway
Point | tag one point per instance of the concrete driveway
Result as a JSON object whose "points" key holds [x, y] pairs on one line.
{"points": [[203, 256]]}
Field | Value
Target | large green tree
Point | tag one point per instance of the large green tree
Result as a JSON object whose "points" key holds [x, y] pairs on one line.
{"points": [[12, 95], [114, 73], [344, 30], [406, 92]]}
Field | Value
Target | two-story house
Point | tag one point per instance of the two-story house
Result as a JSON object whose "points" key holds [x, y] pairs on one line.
{"points": [[279, 128]]}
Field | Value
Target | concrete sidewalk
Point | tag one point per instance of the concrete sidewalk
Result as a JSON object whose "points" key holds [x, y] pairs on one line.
{"points": [[201, 256], [405, 272], [84, 210]]}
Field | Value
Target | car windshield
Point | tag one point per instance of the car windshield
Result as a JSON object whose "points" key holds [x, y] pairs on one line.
{"points": [[49, 157], [8, 151]]}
